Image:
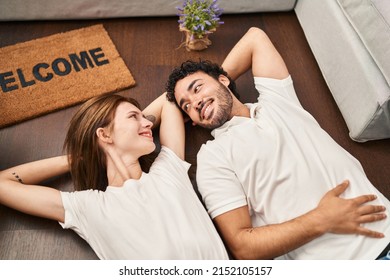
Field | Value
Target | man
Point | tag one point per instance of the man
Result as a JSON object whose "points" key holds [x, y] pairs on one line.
{"points": [[266, 177]]}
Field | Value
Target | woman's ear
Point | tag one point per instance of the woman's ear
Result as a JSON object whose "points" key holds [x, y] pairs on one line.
{"points": [[104, 135], [224, 80]]}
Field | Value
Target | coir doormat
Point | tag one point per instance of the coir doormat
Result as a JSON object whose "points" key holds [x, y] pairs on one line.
{"points": [[54, 72]]}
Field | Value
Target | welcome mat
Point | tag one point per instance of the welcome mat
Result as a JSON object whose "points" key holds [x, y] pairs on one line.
{"points": [[54, 72]]}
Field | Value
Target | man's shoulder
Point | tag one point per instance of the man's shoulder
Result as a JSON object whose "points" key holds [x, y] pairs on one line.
{"points": [[210, 144], [206, 147], [212, 150]]}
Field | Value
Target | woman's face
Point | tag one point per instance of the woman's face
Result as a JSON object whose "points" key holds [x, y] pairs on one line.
{"points": [[131, 132]]}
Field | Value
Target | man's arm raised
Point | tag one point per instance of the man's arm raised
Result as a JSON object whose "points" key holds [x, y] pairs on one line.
{"points": [[256, 51]]}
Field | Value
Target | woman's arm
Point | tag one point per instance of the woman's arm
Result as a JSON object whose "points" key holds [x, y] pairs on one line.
{"points": [[255, 50], [168, 115], [18, 189]]}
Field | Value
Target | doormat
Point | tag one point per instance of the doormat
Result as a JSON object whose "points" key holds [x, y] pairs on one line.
{"points": [[47, 74]]}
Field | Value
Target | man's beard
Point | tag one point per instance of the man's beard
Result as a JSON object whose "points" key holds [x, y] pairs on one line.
{"points": [[225, 104]]}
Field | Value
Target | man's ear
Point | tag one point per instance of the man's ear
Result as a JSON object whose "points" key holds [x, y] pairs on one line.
{"points": [[224, 80], [104, 135]]}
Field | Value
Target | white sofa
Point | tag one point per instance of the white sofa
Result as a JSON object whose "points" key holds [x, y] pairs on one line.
{"points": [[351, 42], [349, 38]]}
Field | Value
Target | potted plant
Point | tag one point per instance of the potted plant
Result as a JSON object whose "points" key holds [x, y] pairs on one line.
{"points": [[198, 19]]}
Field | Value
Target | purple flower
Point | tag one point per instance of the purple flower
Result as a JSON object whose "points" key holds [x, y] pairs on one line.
{"points": [[199, 16]]}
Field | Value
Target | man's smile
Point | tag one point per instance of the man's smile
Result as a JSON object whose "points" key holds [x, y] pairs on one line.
{"points": [[206, 110]]}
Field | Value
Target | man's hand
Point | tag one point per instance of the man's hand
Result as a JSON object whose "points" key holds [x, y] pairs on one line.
{"points": [[347, 216]]}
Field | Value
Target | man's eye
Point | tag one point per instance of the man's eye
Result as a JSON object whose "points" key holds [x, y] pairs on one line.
{"points": [[197, 88], [186, 107]]}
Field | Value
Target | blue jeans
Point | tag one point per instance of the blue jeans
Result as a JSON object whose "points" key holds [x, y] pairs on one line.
{"points": [[387, 257]]}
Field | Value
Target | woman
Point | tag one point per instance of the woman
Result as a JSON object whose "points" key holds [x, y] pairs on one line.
{"points": [[121, 211]]}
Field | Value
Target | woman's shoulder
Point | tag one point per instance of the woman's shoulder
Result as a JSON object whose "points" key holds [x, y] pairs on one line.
{"points": [[168, 159]]}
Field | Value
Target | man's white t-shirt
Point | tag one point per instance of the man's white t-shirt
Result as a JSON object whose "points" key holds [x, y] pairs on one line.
{"points": [[158, 216], [280, 163]]}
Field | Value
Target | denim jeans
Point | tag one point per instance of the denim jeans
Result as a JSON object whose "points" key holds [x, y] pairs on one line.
{"points": [[387, 257]]}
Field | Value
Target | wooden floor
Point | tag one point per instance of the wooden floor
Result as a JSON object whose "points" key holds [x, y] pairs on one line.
{"points": [[149, 46]]}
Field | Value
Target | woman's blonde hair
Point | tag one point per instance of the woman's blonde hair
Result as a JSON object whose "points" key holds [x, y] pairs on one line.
{"points": [[87, 159]]}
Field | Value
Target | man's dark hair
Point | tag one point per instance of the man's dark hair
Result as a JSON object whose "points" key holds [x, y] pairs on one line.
{"points": [[189, 67]]}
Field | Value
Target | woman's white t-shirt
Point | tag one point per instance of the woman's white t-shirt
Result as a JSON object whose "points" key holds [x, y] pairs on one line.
{"points": [[158, 216]]}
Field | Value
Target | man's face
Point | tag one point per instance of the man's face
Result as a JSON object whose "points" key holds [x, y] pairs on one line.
{"points": [[206, 101]]}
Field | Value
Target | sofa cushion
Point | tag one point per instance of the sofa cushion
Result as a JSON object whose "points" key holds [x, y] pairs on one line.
{"points": [[371, 21], [91, 9], [355, 79]]}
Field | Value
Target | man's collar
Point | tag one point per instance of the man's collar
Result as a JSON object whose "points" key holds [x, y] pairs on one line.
{"points": [[235, 120]]}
